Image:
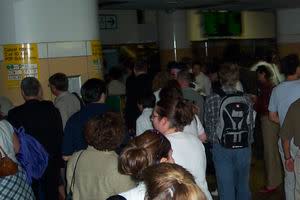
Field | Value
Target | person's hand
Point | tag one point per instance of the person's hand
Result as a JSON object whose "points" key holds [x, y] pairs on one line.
{"points": [[289, 164], [253, 98], [203, 137]]}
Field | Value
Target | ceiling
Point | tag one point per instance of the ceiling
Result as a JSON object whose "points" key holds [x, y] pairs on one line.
{"points": [[199, 4]]}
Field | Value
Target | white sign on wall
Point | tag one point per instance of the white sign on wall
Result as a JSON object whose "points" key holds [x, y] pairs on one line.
{"points": [[108, 22]]}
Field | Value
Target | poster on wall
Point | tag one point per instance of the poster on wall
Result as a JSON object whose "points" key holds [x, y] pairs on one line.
{"points": [[21, 60], [96, 65]]}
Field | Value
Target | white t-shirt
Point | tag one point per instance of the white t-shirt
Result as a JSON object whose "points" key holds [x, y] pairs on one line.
{"points": [[203, 84], [195, 127], [143, 123], [156, 94], [137, 193], [189, 152]]}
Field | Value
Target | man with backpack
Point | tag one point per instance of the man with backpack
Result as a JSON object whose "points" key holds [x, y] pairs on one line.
{"points": [[229, 119]]}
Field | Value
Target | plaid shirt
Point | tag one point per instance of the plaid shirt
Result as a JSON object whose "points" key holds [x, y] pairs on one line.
{"points": [[211, 114]]}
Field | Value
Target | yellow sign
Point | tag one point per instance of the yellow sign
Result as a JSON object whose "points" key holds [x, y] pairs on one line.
{"points": [[21, 60], [96, 65]]}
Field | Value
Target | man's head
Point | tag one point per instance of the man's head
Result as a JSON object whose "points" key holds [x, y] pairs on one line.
{"points": [[140, 67], [31, 88], [58, 83], [229, 74], [290, 65], [93, 91], [197, 68], [175, 68], [184, 78], [146, 101]]}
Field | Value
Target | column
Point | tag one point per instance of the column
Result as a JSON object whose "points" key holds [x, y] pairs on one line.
{"points": [[172, 33], [288, 31], [64, 35]]}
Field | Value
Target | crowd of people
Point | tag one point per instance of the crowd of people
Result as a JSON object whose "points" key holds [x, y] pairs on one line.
{"points": [[174, 128]]}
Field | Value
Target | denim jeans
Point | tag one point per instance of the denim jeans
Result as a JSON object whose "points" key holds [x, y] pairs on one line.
{"points": [[232, 171]]}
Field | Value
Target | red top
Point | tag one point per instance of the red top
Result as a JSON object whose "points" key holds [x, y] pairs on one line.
{"points": [[264, 94]]}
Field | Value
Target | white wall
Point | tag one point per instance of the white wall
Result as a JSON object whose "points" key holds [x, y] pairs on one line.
{"points": [[128, 30], [288, 26], [48, 21]]}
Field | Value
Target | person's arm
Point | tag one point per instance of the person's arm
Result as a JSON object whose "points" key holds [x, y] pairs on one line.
{"points": [[286, 133], [273, 116], [63, 113], [207, 87], [288, 160], [208, 117], [201, 132], [273, 107], [67, 142], [16, 143]]}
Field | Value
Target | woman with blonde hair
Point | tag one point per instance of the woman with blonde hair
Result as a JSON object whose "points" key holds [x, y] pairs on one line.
{"points": [[167, 181]]}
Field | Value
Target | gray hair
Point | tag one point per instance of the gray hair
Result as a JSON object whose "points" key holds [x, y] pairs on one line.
{"points": [[30, 86], [229, 74]]}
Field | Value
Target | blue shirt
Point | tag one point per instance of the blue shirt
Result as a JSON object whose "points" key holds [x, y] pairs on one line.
{"points": [[73, 139], [283, 95]]}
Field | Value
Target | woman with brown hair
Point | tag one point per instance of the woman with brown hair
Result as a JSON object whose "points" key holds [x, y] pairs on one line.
{"points": [[168, 181], [170, 116], [93, 173], [143, 151]]}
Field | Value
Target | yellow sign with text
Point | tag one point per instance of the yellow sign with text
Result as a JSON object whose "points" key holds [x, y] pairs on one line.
{"points": [[96, 65], [21, 60]]}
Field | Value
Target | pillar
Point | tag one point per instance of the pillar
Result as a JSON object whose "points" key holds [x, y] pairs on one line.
{"points": [[288, 31], [172, 34], [64, 35]]}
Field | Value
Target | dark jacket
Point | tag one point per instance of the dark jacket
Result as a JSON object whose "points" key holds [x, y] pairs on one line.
{"points": [[136, 86], [42, 121]]}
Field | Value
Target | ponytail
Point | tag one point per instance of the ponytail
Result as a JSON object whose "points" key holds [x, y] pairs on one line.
{"points": [[179, 112]]}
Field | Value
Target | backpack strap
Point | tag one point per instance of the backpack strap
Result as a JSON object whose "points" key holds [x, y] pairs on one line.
{"points": [[220, 92], [2, 150], [79, 99]]}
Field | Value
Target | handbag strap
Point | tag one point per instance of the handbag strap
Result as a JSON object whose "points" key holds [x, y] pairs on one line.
{"points": [[73, 176], [2, 150]]}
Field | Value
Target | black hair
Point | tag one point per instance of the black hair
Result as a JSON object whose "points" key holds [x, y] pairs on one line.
{"points": [[176, 65], [185, 75], [92, 90], [141, 65], [289, 64], [147, 100], [30, 86], [263, 69], [115, 73], [59, 81]]}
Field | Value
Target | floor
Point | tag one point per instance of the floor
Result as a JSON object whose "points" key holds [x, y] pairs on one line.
{"points": [[257, 181]]}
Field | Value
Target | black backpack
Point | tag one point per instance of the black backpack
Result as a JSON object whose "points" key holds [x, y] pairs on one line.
{"points": [[236, 120]]}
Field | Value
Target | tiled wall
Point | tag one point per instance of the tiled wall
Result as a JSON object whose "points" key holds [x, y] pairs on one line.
{"points": [[71, 58]]}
